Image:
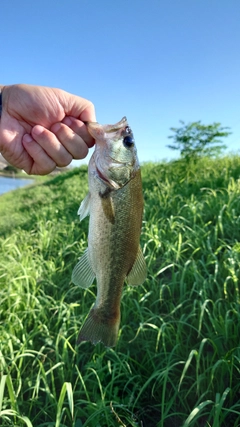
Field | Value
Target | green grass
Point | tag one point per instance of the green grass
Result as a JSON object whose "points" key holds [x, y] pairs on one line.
{"points": [[177, 361]]}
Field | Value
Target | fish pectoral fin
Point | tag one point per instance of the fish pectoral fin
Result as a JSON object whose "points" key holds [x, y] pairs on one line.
{"points": [[83, 274], [138, 273], [84, 209], [108, 208]]}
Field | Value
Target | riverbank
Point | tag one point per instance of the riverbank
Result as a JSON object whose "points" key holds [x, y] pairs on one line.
{"points": [[15, 175], [177, 358], [24, 175]]}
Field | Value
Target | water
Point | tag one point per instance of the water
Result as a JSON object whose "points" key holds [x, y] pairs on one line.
{"points": [[8, 184]]}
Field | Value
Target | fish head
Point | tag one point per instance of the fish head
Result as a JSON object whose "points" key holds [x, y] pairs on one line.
{"points": [[114, 160]]}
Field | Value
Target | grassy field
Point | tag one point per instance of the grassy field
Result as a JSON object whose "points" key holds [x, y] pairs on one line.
{"points": [[177, 361]]}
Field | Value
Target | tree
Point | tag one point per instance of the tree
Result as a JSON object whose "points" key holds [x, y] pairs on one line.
{"points": [[195, 140], [10, 168]]}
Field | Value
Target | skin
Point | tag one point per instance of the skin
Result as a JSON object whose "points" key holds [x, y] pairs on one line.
{"points": [[41, 127]]}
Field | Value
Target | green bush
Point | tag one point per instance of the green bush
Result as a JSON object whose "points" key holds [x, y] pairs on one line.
{"points": [[195, 140]]}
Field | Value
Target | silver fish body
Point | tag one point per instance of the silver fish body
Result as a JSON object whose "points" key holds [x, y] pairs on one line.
{"points": [[115, 205]]}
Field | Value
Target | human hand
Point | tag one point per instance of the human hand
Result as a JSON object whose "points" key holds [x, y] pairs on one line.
{"points": [[41, 127]]}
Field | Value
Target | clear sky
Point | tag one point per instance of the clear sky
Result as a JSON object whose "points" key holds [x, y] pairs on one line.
{"points": [[155, 61]]}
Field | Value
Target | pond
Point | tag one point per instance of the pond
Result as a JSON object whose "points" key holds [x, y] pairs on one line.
{"points": [[8, 184]]}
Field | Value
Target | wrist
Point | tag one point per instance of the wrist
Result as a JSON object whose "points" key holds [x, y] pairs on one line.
{"points": [[0, 101], [1, 112]]}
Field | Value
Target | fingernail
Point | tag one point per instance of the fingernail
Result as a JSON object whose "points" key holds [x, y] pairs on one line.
{"points": [[27, 138], [37, 130]]}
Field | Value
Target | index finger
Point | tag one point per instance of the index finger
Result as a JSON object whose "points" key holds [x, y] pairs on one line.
{"points": [[80, 129], [76, 106], [88, 114]]}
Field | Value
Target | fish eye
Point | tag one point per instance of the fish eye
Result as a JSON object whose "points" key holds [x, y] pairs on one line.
{"points": [[128, 141]]}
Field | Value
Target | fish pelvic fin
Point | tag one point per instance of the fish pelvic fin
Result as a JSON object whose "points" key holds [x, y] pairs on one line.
{"points": [[83, 274], [84, 209], [99, 327], [138, 273]]}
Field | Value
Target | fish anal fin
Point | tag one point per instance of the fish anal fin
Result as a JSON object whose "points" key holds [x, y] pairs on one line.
{"points": [[84, 209], [100, 328], [83, 274], [138, 272]]}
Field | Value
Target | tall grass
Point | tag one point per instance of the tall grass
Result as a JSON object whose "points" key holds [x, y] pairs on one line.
{"points": [[177, 358]]}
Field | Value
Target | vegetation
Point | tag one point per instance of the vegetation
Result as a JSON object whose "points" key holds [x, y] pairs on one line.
{"points": [[195, 140], [177, 359], [10, 168]]}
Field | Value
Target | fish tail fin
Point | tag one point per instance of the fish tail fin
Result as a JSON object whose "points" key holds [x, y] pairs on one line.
{"points": [[100, 327]]}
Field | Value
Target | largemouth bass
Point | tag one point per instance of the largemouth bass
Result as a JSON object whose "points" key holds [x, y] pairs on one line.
{"points": [[115, 205]]}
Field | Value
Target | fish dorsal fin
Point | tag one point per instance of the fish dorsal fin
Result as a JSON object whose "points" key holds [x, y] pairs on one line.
{"points": [[84, 209], [138, 273], [83, 274]]}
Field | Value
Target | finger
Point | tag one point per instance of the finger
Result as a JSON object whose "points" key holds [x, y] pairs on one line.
{"points": [[51, 145], [76, 106], [73, 143], [41, 163], [80, 129], [88, 114]]}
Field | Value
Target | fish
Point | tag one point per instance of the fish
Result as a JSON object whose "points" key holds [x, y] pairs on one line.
{"points": [[115, 205]]}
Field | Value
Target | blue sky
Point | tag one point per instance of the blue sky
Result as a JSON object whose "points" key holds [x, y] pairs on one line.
{"points": [[157, 62]]}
